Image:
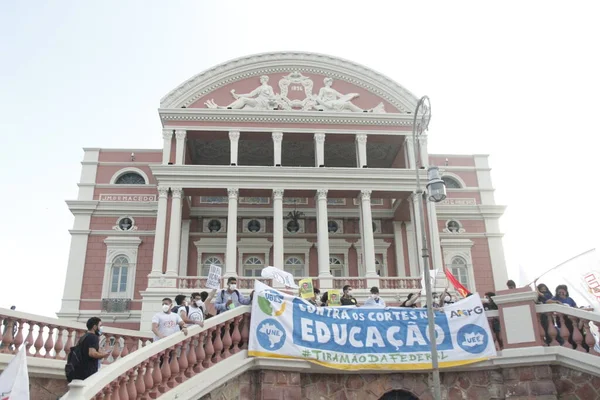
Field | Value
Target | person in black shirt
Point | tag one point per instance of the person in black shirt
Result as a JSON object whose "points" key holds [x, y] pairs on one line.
{"points": [[347, 299], [90, 350]]}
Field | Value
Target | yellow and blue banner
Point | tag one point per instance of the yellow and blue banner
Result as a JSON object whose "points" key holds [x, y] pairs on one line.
{"points": [[360, 338]]}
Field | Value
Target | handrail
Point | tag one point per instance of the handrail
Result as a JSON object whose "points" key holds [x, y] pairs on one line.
{"points": [[145, 374], [53, 338]]}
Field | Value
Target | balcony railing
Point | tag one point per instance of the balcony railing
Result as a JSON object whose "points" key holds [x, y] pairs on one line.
{"points": [[52, 338]]}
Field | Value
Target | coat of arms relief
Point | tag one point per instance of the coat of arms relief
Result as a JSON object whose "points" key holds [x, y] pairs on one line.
{"points": [[264, 97]]}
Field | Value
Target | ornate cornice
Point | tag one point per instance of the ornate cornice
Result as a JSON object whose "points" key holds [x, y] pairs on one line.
{"points": [[283, 117], [285, 62]]}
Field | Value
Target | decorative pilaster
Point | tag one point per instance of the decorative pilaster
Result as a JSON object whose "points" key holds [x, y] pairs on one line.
{"points": [[361, 149], [174, 232], [319, 149], [367, 239], [322, 235], [185, 245], [399, 249], [167, 137], [278, 250], [160, 232], [277, 139], [231, 252], [234, 137], [180, 146]]}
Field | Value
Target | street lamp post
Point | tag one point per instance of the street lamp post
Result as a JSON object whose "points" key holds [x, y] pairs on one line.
{"points": [[437, 193]]}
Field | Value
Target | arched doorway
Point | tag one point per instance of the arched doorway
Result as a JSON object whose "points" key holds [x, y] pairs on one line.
{"points": [[398, 395]]}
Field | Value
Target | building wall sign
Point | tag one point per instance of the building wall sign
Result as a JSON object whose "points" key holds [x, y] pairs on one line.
{"points": [[129, 198], [458, 202]]}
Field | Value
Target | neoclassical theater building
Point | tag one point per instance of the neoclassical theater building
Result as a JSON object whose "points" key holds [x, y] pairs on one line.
{"points": [[297, 160]]}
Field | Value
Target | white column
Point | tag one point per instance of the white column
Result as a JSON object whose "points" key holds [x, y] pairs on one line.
{"points": [[160, 232], [167, 137], [436, 249], [399, 249], [413, 251], [319, 150], [423, 151], [174, 232], [185, 246], [418, 229], [499, 271], [361, 149], [278, 228], [180, 146], [410, 152], [277, 139], [234, 137], [322, 234], [231, 253], [368, 240]]}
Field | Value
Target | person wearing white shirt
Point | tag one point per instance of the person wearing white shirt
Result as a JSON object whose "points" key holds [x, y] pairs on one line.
{"points": [[374, 300], [166, 323]]}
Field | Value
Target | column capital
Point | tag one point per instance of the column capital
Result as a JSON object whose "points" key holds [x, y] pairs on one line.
{"points": [[322, 194], [163, 191], [361, 138], [234, 135], [177, 192], [167, 133], [277, 194], [233, 193], [180, 134], [277, 136], [320, 137], [416, 196], [365, 195]]}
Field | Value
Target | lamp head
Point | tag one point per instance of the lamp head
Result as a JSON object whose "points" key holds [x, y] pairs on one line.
{"points": [[436, 186]]}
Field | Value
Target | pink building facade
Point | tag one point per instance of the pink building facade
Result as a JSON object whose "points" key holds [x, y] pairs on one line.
{"points": [[300, 161]]}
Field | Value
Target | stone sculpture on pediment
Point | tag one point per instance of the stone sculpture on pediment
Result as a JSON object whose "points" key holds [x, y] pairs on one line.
{"points": [[264, 98], [261, 98]]}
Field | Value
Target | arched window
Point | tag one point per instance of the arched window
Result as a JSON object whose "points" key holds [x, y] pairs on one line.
{"points": [[398, 395], [118, 276], [451, 183], [253, 266], [459, 270], [130, 178], [210, 260], [336, 266], [294, 265]]}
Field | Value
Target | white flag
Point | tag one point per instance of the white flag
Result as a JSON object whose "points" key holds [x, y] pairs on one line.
{"points": [[14, 381], [280, 276], [432, 277], [581, 274]]}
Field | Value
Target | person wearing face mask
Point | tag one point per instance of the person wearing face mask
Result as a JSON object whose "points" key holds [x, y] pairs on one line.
{"points": [[90, 350], [231, 298], [347, 298], [166, 323], [374, 300]]}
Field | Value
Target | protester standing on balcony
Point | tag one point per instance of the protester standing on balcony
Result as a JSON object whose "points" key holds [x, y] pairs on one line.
{"points": [[374, 300], [166, 323], [510, 284], [231, 298], [90, 350], [347, 298], [562, 296]]}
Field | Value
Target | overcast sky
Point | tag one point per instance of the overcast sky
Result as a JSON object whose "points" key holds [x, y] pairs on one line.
{"points": [[516, 80]]}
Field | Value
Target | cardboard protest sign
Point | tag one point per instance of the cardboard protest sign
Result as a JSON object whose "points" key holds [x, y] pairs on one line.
{"points": [[214, 277], [306, 288]]}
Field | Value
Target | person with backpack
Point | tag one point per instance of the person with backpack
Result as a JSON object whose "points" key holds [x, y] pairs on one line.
{"points": [[231, 298], [83, 359], [182, 309]]}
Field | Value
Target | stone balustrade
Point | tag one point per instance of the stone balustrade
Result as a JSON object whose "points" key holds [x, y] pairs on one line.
{"points": [[162, 366], [52, 338], [396, 283], [356, 283]]}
